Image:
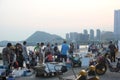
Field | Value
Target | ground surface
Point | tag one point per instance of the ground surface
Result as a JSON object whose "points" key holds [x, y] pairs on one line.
{"points": [[69, 75]]}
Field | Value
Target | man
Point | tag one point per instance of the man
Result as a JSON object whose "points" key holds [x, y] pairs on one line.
{"points": [[64, 50], [112, 51], [42, 53], [37, 49], [71, 50], [6, 52], [25, 54], [6, 56]]}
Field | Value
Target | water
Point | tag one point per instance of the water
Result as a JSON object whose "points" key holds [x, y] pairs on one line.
{"points": [[32, 47]]}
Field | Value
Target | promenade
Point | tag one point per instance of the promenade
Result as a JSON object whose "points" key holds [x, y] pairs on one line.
{"points": [[69, 74]]}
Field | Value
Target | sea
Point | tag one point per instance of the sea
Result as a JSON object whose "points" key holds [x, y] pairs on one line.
{"points": [[32, 47]]}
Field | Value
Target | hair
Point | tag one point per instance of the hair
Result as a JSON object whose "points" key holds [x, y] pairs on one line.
{"points": [[64, 41], [42, 43], [110, 42], [24, 42], [9, 44], [37, 43], [48, 45]]}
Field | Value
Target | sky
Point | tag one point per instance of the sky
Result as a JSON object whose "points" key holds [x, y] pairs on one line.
{"points": [[21, 18]]}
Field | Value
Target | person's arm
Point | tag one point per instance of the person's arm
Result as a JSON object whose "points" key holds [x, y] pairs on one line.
{"points": [[8, 56], [35, 48]]}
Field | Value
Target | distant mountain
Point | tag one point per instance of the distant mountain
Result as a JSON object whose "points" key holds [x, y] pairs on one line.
{"points": [[4, 43], [40, 36]]}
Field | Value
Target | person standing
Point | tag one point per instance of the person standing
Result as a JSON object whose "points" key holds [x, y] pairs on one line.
{"points": [[64, 50], [42, 53], [56, 49], [19, 56], [37, 49], [48, 49], [13, 62], [6, 55], [56, 53], [71, 50], [25, 54], [112, 51]]}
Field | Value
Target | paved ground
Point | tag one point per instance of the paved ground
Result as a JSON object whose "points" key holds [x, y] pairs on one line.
{"points": [[69, 75]]}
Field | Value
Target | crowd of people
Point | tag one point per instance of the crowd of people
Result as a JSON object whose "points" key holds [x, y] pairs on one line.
{"points": [[111, 49], [15, 56], [18, 56]]}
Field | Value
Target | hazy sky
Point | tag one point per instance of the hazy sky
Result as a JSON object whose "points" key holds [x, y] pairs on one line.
{"points": [[21, 18]]}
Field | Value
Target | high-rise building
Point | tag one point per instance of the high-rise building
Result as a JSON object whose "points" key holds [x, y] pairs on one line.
{"points": [[85, 32], [85, 36], [67, 36], [117, 24], [91, 35], [73, 36], [98, 35]]}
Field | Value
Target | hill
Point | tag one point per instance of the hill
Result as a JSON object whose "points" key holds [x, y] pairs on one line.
{"points": [[4, 43], [40, 36]]}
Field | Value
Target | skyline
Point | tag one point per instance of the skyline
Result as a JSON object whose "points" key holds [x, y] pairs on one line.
{"points": [[21, 18]]}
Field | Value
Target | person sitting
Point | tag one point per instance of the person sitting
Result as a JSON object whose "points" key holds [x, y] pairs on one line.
{"points": [[49, 57]]}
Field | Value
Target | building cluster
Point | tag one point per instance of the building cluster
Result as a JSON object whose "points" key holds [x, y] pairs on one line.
{"points": [[100, 35], [84, 37], [117, 24]]}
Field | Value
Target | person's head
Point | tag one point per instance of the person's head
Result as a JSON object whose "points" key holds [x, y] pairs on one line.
{"points": [[18, 45], [71, 44], [42, 44], [64, 41], [110, 42], [56, 44], [9, 44], [48, 44], [38, 44], [24, 42]]}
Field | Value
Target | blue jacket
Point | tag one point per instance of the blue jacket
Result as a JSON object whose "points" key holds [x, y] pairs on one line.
{"points": [[64, 49]]}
